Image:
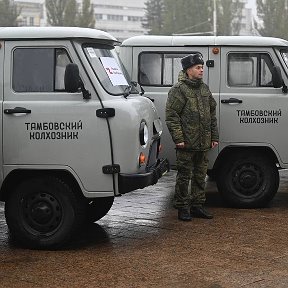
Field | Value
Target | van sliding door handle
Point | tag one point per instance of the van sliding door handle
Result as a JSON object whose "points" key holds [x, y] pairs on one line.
{"points": [[17, 110], [231, 101]]}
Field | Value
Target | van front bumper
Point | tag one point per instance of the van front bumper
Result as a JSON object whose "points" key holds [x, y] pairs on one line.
{"points": [[130, 182]]}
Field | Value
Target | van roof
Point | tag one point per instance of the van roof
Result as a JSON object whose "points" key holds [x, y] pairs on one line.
{"points": [[153, 40], [21, 33]]}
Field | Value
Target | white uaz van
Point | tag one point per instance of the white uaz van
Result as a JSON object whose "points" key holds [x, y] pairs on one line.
{"points": [[244, 76], [74, 132]]}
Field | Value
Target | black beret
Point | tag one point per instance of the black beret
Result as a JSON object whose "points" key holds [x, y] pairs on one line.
{"points": [[191, 60]]}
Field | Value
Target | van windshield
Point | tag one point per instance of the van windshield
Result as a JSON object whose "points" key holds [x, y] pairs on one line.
{"points": [[108, 68]]}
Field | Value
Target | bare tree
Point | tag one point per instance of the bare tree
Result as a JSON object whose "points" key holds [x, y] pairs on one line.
{"points": [[86, 17], [273, 16], [8, 13]]}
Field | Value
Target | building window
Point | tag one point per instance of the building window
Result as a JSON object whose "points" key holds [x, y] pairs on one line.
{"points": [[31, 21], [99, 6], [115, 17], [99, 16], [134, 18]]}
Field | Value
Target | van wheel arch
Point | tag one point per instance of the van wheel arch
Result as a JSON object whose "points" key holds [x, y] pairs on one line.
{"points": [[228, 151], [247, 177], [19, 175]]}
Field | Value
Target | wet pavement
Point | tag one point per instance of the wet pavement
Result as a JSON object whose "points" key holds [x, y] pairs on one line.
{"points": [[140, 243]]}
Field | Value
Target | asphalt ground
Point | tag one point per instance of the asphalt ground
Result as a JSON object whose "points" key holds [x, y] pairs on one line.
{"points": [[140, 243]]}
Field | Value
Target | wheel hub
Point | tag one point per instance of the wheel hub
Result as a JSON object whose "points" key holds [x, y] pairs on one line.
{"points": [[42, 212], [247, 179]]}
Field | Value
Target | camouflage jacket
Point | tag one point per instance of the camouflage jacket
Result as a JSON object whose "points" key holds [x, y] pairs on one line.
{"points": [[191, 114]]}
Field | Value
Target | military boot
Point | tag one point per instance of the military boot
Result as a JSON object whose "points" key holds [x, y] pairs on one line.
{"points": [[184, 214], [200, 212]]}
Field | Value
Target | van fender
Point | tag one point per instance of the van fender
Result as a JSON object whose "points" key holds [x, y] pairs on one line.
{"points": [[267, 150], [13, 174]]}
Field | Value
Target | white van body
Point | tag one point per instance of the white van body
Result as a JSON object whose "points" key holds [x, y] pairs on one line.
{"points": [[252, 107], [73, 135]]}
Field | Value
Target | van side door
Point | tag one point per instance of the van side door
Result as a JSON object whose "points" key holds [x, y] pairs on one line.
{"points": [[252, 111], [45, 127]]}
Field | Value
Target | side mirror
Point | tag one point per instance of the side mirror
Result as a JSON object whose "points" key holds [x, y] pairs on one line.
{"points": [[135, 84], [73, 81], [72, 78], [278, 80]]}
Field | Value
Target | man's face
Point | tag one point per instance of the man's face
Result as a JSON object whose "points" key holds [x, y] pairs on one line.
{"points": [[195, 72]]}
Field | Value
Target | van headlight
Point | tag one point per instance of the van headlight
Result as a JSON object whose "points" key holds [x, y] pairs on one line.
{"points": [[143, 133]]}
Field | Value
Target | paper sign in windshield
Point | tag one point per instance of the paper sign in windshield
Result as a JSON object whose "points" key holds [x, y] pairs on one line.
{"points": [[113, 71]]}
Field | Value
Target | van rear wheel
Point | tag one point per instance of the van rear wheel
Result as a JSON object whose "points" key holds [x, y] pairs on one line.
{"points": [[98, 208], [43, 212], [248, 180]]}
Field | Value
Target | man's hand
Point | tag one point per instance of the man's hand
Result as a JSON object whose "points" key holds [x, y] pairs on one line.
{"points": [[214, 144], [180, 145]]}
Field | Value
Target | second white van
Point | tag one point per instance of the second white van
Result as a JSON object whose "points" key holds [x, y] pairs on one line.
{"points": [[247, 77]]}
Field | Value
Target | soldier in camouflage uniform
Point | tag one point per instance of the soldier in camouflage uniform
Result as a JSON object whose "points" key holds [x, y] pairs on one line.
{"points": [[191, 120]]}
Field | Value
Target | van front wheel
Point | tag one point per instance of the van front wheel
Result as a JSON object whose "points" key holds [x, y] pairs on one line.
{"points": [[248, 180], [44, 212]]}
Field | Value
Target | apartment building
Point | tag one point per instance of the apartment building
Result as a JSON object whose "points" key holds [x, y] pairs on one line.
{"points": [[32, 12], [121, 18]]}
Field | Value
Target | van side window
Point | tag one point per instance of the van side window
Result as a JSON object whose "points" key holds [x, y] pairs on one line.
{"points": [[249, 70], [159, 69], [39, 69], [172, 67]]}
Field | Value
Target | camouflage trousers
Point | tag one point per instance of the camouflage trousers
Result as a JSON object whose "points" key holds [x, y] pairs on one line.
{"points": [[191, 166]]}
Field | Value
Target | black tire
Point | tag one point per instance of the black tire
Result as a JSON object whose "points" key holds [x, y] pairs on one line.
{"points": [[211, 174], [43, 213], [248, 180], [98, 208]]}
